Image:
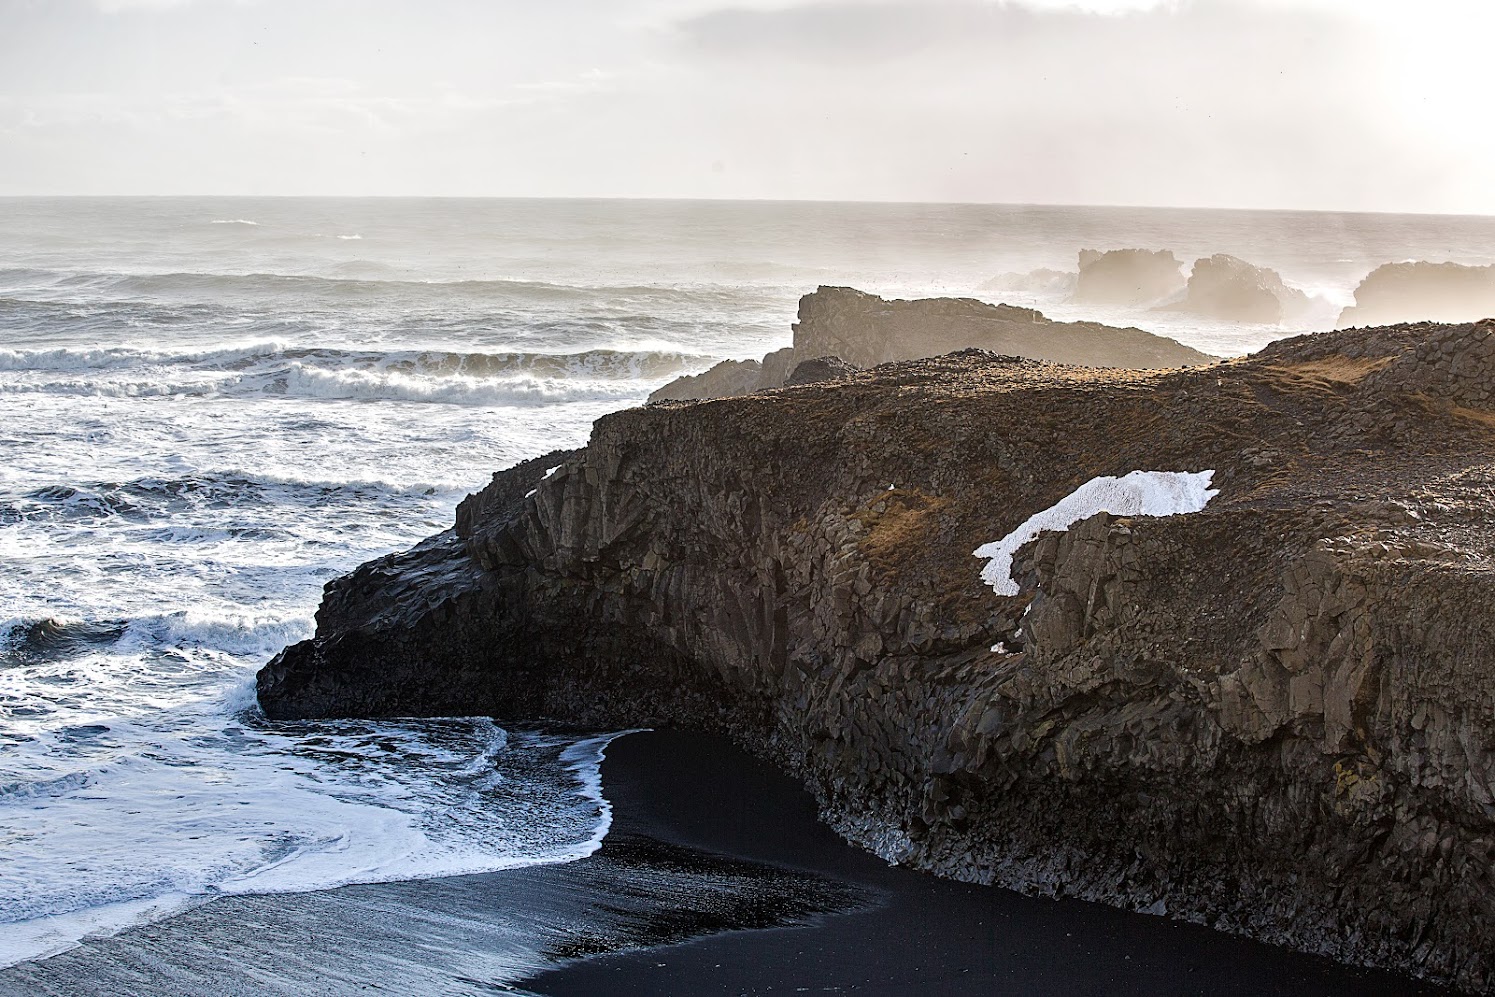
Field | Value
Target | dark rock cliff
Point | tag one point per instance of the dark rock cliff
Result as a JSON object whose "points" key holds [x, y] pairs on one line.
{"points": [[865, 330], [1275, 716]]}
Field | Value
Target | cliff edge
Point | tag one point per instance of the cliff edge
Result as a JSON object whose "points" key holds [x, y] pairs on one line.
{"points": [[1274, 715]]}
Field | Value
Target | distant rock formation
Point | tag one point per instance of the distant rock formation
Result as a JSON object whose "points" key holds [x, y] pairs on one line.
{"points": [[1128, 276], [1228, 287], [1421, 291], [1040, 281], [865, 330]]}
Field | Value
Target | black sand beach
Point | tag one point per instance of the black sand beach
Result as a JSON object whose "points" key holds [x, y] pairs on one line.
{"points": [[921, 935], [716, 878]]}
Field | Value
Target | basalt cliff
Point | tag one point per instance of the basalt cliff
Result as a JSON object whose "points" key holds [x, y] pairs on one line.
{"points": [[1275, 716]]}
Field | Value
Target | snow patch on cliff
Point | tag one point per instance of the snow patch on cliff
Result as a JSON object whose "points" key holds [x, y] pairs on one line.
{"points": [[1141, 493]]}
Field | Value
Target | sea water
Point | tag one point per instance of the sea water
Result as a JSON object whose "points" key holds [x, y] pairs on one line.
{"points": [[210, 407]]}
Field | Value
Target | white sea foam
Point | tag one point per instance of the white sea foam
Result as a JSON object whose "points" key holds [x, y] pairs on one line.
{"points": [[43, 937], [1140, 493], [233, 221], [305, 380], [131, 355], [385, 385], [223, 806], [265, 358]]}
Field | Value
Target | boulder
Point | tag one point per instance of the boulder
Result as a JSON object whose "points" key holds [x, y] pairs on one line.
{"points": [[821, 369]]}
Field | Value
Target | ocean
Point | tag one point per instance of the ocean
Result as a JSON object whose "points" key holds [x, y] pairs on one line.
{"points": [[211, 406]]}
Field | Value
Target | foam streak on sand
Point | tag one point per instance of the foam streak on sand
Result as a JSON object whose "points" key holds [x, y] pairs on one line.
{"points": [[1140, 493]]}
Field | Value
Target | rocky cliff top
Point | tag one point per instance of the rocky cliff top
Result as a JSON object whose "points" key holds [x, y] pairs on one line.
{"points": [[866, 330], [1275, 715]]}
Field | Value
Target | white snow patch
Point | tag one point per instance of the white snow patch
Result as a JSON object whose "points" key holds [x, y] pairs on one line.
{"points": [[552, 470], [1141, 493]]}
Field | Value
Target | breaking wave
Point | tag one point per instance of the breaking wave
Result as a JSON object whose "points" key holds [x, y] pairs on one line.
{"points": [[280, 369], [644, 364], [52, 639], [220, 286], [156, 499]]}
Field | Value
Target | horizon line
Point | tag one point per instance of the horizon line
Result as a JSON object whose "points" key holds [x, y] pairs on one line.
{"points": [[881, 202]]}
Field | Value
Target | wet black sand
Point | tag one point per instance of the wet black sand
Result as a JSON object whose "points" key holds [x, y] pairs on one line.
{"points": [[716, 879], [921, 935]]}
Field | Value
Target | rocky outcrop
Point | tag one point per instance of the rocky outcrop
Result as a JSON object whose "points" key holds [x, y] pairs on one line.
{"points": [[730, 377], [1275, 716], [1229, 288], [1440, 292], [1128, 276], [865, 330]]}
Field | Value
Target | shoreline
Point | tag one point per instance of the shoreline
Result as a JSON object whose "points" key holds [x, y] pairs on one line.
{"points": [[921, 934], [716, 876]]}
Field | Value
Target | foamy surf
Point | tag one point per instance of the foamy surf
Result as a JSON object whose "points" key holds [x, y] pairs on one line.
{"points": [[285, 822]]}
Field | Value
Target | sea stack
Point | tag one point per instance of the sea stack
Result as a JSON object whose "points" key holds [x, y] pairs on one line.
{"points": [[1412, 292], [1132, 277], [1229, 288]]}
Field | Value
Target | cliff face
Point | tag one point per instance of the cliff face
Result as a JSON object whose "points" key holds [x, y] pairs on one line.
{"points": [[1444, 292], [865, 330], [1275, 716]]}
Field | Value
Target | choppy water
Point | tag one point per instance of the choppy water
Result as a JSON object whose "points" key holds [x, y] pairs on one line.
{"points": [[208, 407]]}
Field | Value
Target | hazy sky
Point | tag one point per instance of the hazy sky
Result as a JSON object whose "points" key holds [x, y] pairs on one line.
{"points": [[1353, 104]]}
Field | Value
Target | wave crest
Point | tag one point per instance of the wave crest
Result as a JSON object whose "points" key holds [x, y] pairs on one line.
{"points": [[278, 368]]}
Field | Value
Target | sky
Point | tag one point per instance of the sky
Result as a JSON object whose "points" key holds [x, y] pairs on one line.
{"points": [[1375, 105]]}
